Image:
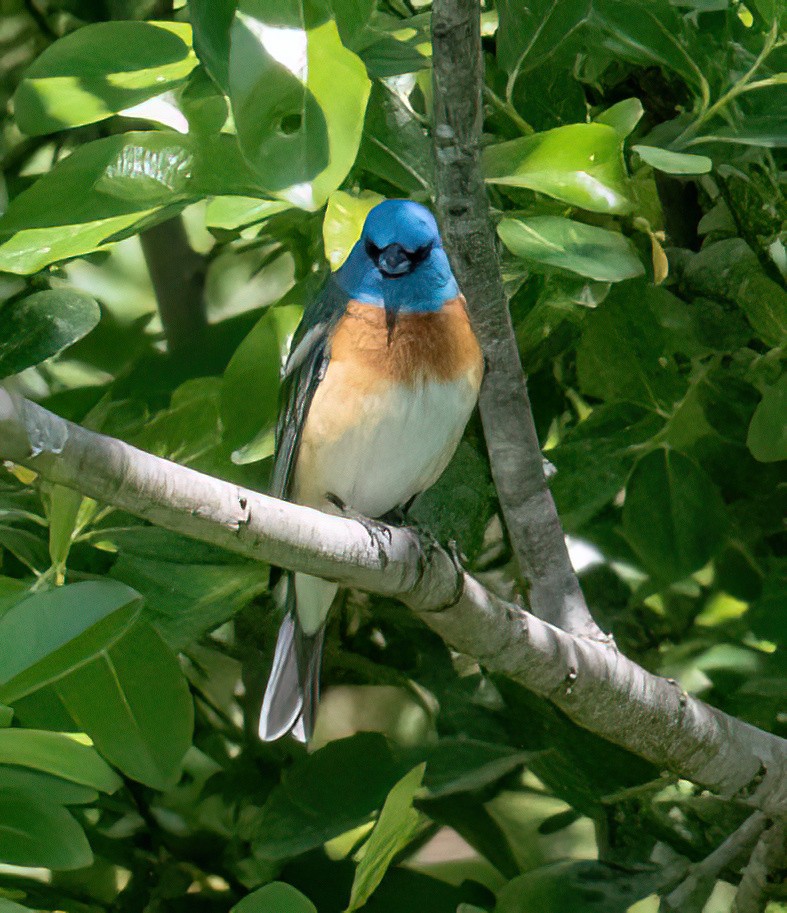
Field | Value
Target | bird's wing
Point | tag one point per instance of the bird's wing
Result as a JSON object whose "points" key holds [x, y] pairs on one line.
{"points": [[303, 371]]}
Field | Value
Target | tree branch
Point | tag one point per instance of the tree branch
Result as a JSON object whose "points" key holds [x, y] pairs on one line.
{"points": [[591, 682], [695, 889], [463, 211], [177, 273], [769, 857]]}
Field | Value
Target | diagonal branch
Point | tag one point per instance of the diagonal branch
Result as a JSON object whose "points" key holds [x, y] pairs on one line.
{"points": [[463, 210], [590, 681]]}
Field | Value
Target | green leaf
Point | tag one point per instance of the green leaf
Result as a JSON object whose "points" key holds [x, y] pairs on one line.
{"points": [[105, 187], [395, 146], [256, 366], [456, 765], [586, 886], [300, 134], [49, 634], [36, 833], [581, 164], [39, 326], [599, 254], [237, 212], [595, 458], [8, 906], [621, 357], [57, 754], [276, 897], [63, 792], [767, 438], [673, 162], [312, 805], [395, 828], [673, 515], [623, 117], [730, 270], [82, 78], [211, 21], [189, 587], [143, 722], [388, 57], [343, 223]]}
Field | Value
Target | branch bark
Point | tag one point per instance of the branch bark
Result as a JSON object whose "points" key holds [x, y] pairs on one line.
{"points": [[695, 889], [463, 211], [177, 273], [590, 681], [768, 859]]}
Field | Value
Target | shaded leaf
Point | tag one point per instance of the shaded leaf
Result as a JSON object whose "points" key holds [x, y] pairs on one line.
{"points": [[673, 515], [34, 832], [276, 897], [37, 327], [606, 256], [767, 438]]}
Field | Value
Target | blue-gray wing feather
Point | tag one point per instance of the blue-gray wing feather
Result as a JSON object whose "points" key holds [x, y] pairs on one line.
{"points": [[305, 368]]}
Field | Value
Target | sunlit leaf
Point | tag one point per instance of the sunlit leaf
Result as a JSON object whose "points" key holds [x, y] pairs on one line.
{"points": [[581, 164], [82, 78], [343, 223]]}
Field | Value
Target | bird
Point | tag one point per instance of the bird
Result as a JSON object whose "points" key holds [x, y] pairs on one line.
{"points": [[382, 377]]}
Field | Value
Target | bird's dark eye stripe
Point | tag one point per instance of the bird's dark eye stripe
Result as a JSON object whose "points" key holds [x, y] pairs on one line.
{"points": [[372, 250], [420, 254]]}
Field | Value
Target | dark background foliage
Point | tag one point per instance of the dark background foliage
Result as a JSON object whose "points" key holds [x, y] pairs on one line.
{"points": [[166, 220]]}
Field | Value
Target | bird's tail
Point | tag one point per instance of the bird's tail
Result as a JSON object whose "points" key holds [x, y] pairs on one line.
{"points": [[293, 689]]}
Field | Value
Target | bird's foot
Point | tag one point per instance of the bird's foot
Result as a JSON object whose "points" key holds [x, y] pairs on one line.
{"points": [[379, 534]]}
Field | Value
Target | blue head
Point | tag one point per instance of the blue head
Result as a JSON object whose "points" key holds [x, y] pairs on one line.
{"points": [[399, 262]]}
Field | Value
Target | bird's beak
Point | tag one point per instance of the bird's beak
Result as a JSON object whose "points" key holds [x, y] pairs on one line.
{"points": [[393, 261]]}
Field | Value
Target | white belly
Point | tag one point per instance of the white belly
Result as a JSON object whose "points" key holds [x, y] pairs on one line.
{"points": [[399, 443]]}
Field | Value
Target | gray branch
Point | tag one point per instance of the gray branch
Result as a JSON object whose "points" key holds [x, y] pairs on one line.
{"points": [[463, 211], [768, 859], [590, 681], [695, 889]]}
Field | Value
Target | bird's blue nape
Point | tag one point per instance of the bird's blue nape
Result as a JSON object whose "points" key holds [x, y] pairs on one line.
{"points": [[410, 231]]}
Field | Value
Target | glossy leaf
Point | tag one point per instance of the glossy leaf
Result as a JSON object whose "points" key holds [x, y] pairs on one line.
{"points": [[767, 438], [105, 187], [395, 828], [276, 897], [673, 515], [81, 78], [51, 633], [673, 162], [34, 832], [300, 135], [57, 754], [343, 223], [581, 164], [42, 325], [144, 722], [553, 241]]}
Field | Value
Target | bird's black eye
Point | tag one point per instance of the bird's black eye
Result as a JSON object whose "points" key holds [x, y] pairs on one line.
{"points": [[372, 250], [420, 254]]}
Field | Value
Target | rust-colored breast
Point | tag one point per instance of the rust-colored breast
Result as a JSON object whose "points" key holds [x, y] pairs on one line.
{"points": [[438, 346]]}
